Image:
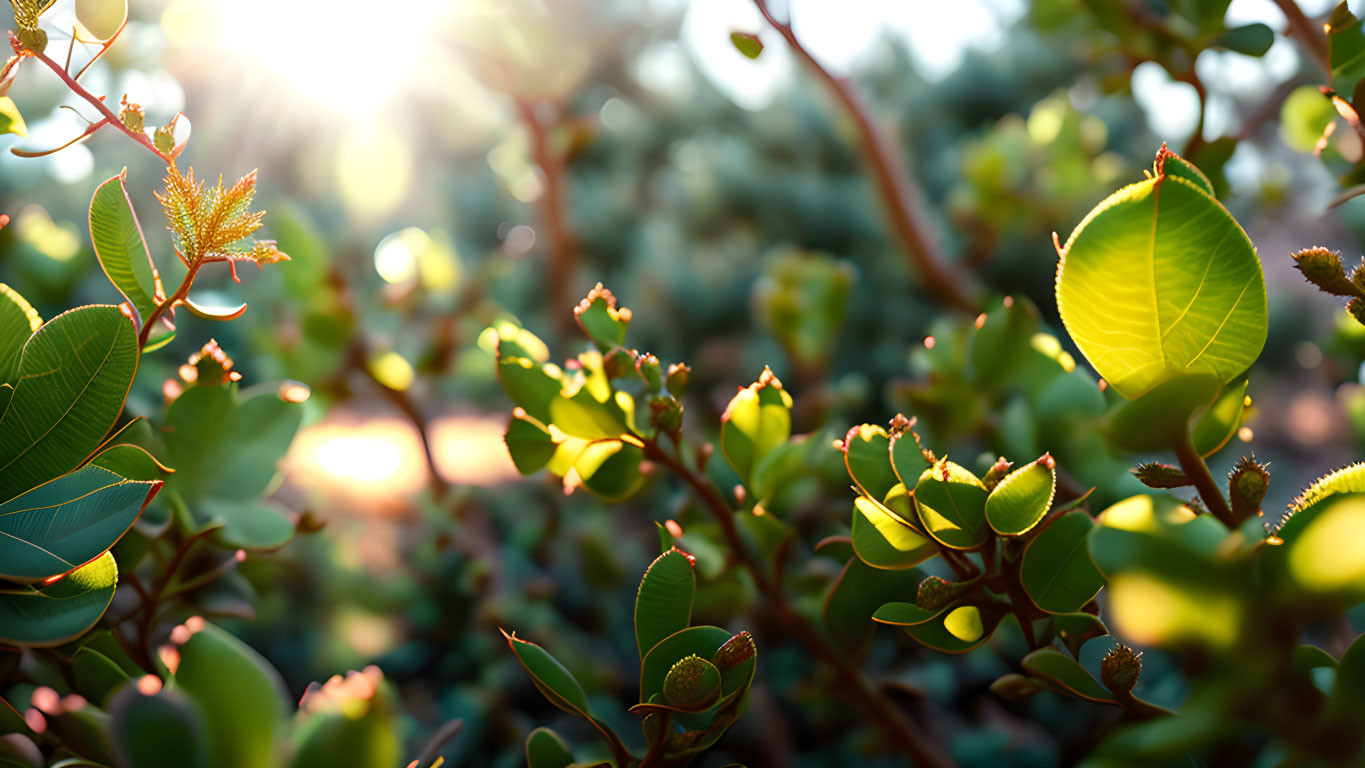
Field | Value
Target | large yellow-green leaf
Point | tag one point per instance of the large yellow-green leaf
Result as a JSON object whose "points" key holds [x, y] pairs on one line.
{"points": [[18, 322], [72, 379], [11, 121], [120, 246], [60, 611], [755, 422], [882, 539], [1159, 280], [66, 523], [951, 502]]}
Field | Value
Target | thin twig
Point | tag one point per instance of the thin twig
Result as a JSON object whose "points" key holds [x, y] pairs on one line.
{"points": [[1192, 464], [902, 733], [900, 195]]}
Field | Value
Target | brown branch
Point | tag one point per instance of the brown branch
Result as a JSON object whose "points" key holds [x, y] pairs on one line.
{"points": [[899, 731], [404, 403], [900, 195], [1308, 34], [1192, 464], [554, 218]]}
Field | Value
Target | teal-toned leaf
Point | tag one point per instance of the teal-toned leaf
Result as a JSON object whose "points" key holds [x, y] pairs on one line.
{"points": [[1074, 629], [250, 524], [951, 503], [97, 677], [699, 641], [755, 422], [120, 247], [1248, 39], [883, 540], [241, 696], [867, 454], [227, 446], [1022, 498], [68, 522], [551, 678], [131, 461], [73, 376], [1216, 426], [545, 749], [61, 611], [663, 604], [218, 314], [1057, 572], [1160, 280], [1161, 416], [1066, 673], [163, 730]]}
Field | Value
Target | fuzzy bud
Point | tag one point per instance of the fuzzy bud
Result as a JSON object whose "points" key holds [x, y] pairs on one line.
{"points": [[1323, 269], [934, 593], [1154, 474], [690, 681], [734, 652], [131, 115], [1247, 484], [665, 414], [1120, 669], [1357, 310], [33, 39]]}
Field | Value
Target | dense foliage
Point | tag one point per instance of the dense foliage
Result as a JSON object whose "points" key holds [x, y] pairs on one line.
{"points": [[967, 512]]}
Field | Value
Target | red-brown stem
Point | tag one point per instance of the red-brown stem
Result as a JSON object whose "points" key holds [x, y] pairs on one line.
{"points": [[1308, 34], [554, 217], [900, 195], [181, 292], [97, 103], [1192, 464], [899, 731]]}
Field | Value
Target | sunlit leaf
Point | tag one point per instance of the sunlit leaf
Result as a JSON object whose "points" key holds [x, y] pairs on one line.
{"points": [[1022, 498], [951, 502], [61, 611]]}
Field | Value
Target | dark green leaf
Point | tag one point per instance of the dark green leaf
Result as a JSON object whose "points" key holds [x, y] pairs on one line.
{"points": [[59, 612], [951, 503], [120, 247], [663, 604], [1057, 572]]}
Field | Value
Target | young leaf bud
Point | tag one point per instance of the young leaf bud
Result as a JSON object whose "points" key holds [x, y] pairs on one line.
{"points": [[665, 414], [734, 652], [1357, 310], [1015, 687], [1154, 474], [1247, 484], [131, 115], [33, 39], [677, 379], [996, 473], [1322, 268], [648, 366], [1120, 669]]}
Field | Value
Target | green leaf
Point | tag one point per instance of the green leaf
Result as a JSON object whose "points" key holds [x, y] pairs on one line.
{"points": [[883, 540], [857, 595], [1022, 498], [1345, 49], [960, 630], [867, 454], [530, 384], [1348, 692], [528, 442], [1057, 572], [120, 246], [1066, 673], [18, 322], [747, 43], [755, 422], [583, 416], [952, 505], [907, 459], [1216, 426], [1306, 657], [1323, 552], [663, 604], [545, 749], [131, 461], [164, 730], [61, 611], [906, 614], [554, 681], [68, 522], [241, 696], [258, 525], [227, 446], [1159, 417], [598, 316], [1304, 117], [73, 377], [10, 119], [610, 468], [97, 677], [698, 641], [1160, 280], [1002, 341], [1074, 629]]}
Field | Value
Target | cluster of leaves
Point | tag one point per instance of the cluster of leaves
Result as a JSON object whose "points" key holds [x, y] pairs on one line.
{"points": [[694, 680]]}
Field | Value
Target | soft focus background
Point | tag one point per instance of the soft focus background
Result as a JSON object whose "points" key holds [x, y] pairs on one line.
{"points": [[438, 166]]}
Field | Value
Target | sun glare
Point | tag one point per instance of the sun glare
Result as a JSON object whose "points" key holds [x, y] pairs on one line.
{"points": [[336, 52]]}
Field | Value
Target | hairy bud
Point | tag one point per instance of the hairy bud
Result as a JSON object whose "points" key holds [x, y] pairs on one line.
{"points": [[996, 473], [1247, 485], [734, 652], [691, 681], [131, 115], [1120, 669], [648, 366], [934, 593], [676, 380], [1323, 269], [1154, 474], [665, 414]]}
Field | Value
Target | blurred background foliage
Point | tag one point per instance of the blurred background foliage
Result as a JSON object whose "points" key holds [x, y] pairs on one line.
{"points": [[438, 168]]}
